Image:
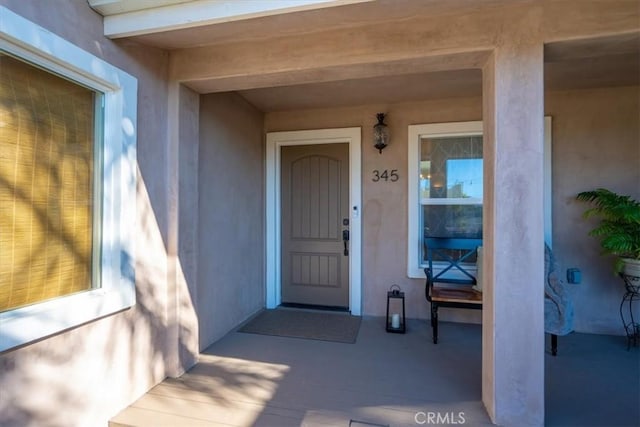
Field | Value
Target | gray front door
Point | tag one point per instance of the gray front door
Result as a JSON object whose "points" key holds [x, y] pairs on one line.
{"points": [[315, 215]]}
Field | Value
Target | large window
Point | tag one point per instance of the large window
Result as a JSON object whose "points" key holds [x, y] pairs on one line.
{"points": [[49, 194], [67, 184]]}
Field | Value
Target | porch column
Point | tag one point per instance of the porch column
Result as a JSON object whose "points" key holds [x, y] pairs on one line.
{"points": [[513, 314], [182, 345]]}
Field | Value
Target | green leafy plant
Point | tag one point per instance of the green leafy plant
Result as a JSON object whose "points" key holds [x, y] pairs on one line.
{"points": [[619, 228]]}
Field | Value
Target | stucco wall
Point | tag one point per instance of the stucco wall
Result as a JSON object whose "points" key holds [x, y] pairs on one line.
{"points": [[84, 376], [231, 211], [186, 266], [595, 143], [384, 204]]}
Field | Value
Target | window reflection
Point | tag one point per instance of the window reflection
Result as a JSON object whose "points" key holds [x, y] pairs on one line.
{"points": [[451, 187], [464, 178]]}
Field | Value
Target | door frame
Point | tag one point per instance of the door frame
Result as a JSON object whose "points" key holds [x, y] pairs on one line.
{"points": [[275, 141]]}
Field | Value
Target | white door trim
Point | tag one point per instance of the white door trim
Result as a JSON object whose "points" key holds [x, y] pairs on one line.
{"points": [[276, 140]]}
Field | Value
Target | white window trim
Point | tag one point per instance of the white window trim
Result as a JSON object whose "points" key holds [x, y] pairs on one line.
{"points": [[547, 184], [275, 142], [416, 132], [29, 41]]}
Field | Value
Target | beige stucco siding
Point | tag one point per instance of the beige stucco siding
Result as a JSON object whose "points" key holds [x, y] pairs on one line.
{"points": [[86, 375], [591, 131], [231, 210], [596, 143], [384, 204], [200, 233]]}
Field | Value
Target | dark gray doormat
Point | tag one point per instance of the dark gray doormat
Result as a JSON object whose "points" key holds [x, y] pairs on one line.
{"points": [[310, 325]]}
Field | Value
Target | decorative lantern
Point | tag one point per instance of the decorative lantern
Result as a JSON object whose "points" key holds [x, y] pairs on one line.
{"points": [[395, 310], [380, 133]]}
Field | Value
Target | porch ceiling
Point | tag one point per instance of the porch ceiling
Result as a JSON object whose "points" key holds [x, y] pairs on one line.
{"points": [[324, 15], [579, 63], [588, 63], [376, 90]]}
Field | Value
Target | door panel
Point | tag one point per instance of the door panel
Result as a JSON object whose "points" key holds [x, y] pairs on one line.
{"points": [[315, 200]]}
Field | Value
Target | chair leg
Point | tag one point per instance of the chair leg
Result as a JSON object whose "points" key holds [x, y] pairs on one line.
{"points": [[434, 322], [554, 344]]}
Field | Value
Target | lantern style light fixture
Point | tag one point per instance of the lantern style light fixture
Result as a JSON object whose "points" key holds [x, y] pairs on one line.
{"points": [[395, 310], [380, 133]]}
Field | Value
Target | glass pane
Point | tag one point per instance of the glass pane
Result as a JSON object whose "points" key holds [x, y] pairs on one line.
{"points": [[47, 148], [425, 179], [464, 178], [451, 187], [453, 221]]}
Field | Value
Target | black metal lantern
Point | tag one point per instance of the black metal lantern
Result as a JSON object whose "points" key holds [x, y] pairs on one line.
{"points": [[395, 310], [380, 133]]}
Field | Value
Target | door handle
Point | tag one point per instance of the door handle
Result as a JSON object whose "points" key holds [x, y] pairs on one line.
{"points": [[345, 240]]}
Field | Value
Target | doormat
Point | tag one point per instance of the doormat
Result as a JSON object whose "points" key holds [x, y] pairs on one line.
{"points": [[309, 325]]}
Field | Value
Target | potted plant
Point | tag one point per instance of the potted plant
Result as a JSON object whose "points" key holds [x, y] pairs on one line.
{"points": [[619, 228]]}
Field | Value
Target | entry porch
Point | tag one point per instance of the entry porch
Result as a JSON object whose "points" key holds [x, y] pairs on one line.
{"points": [[383, 379]]}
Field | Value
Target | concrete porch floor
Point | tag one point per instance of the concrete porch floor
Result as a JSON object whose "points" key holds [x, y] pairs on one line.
{"points": [[383, 379]]}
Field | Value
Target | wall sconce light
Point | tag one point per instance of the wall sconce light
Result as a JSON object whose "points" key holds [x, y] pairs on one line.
{"points": [[380, 133]]}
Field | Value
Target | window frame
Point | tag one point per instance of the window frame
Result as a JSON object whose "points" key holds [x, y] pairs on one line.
{"points": [[116, 161], [416, 133], [453, 129]]}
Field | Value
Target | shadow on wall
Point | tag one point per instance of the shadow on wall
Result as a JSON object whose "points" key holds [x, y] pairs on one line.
{"points": [[46, 185], [85, 375]]}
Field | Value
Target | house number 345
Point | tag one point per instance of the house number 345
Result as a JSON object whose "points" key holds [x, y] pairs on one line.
{"points": [[385, 175]]}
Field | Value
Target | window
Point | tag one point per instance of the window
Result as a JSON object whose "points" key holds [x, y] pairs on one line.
{"points": [[67, 184], [49, 201], [445, 176], [447, 197]]}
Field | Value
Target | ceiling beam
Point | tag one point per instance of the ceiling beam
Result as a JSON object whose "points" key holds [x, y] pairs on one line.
{"points": [[421, 44], [428, 64], [203, 12], [418, 45]]}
